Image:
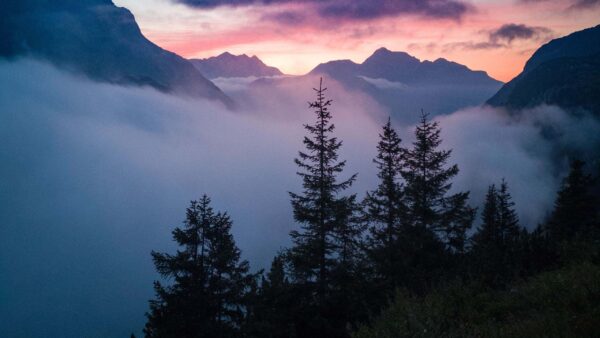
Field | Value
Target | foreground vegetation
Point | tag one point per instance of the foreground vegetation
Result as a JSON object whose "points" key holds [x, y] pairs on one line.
{"points": [[561, 303], [403, 261]]}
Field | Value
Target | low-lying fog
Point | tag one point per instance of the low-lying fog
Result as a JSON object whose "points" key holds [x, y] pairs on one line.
{"points": [[95, 176]]}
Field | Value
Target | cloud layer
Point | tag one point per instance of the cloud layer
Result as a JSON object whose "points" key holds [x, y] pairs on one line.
{"points": [[95, 176]]}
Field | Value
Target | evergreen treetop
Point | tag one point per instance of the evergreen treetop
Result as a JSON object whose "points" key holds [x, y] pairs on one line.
{"points": [[210, 281], [575, 209], [385, 209], [323, 256], [318, 207], [428, 180]]}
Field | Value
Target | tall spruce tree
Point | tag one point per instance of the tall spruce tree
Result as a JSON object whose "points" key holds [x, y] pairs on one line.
{"points": [[321, 249], [386, 212], [207, 296], [499, 243], [428, 181], [576, 208], [573, 229], [515, 235], [437, 221]]}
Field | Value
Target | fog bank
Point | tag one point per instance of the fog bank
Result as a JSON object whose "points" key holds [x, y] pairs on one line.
{"points": [[95, 176]]}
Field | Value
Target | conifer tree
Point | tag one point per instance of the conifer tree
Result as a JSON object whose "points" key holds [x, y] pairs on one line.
{"points": [[487, 233], [508, 219], [428, 181], [572, 233], [515, 236], [207, 296], [498, 244], [437, 221], [325, 217], [386, 212], [575, 209]]}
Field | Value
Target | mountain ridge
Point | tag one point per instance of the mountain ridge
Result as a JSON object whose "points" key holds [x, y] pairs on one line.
{"points": [[563, 72], [100, 40], [228, 65], [402, 67], [404, 84]]}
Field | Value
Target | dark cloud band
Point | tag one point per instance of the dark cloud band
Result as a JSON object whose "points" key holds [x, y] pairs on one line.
{"points": [[511, 31], [353, 9], [572, 4], [369, 9], [503, 37], [584, 4]]}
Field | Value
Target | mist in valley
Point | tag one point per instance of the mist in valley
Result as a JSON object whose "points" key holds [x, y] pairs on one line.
{"points": [[95, 176]]}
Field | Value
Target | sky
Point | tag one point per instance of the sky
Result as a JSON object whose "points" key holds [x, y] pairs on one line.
{"points": [[497, 36]]}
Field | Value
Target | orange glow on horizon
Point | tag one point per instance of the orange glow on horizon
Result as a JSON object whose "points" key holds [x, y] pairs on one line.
{"points": [[296, 50]]}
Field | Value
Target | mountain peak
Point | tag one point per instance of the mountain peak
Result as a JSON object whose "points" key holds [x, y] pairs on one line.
{"points": [[83, 35], [382, 50], [386, 56], [582, 43], [230, 65], [405, 68], [563, 72], [227, 56]]}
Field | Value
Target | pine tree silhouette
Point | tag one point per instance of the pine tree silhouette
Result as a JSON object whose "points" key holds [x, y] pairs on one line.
{"points": [[575, 208], [428, 182], [437, 222], [210, 282], [386, 212], [498, 245], [323, 249]]}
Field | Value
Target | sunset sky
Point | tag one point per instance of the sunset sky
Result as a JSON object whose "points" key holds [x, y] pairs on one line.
{"points": [[497, 36]]}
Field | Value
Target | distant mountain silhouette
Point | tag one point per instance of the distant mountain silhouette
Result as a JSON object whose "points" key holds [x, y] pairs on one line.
{"points": [[564, 72], [100, 40], [406, 84], [407, 69], [229, 65]]}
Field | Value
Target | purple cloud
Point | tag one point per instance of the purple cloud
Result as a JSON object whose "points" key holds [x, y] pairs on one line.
{"points": [[469, 45], [352, 9], [574, 4], [370, 9], [585, 4], [511, 31], [502, 37], [289, 18]]}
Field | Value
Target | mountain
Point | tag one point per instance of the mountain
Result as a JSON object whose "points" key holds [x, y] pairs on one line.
{"points": [[100, 40], [229, 65], [406, 69], [405, 84], [564, 72]]}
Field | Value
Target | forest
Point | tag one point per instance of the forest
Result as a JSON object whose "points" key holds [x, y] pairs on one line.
{"points": [[413, 258]]}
